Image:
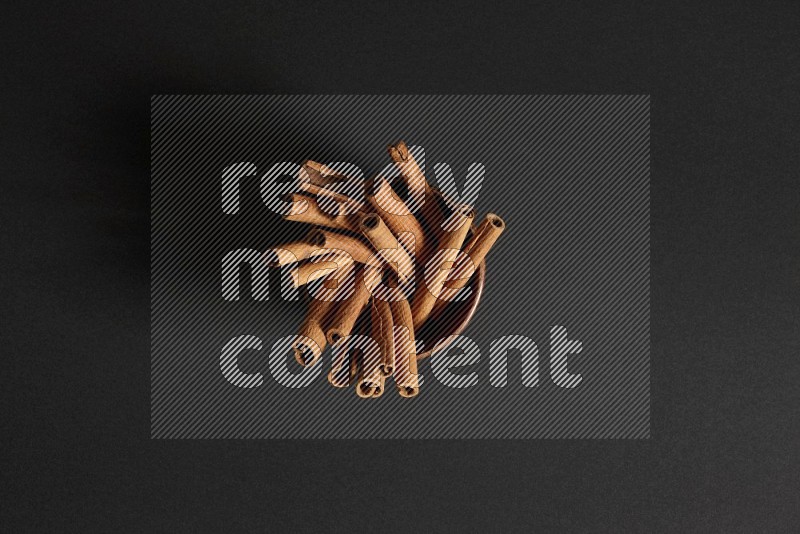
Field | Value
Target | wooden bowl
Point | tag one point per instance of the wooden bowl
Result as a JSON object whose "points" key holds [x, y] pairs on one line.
{"points": [[452, 320]]}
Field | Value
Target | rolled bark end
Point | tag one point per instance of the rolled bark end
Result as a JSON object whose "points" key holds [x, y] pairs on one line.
{"points": [[378, 391], [394, 153], [305, 355], [311, 164], [398, 151], [310, 342], [334, 336], [382, 332], [370, 221], [342, 370], [340, 379], [365, 391], [495, 220], [326, 240], [485, 237], [402, 148], [316, 238], [457, 224], [408, 391]]}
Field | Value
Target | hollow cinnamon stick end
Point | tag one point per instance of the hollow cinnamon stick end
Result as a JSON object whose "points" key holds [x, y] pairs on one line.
{"points": [[342, 375], [338, 382], [370, 222], [316, 238], [333, 336], [309, 344], [365, 391], [305, 354], [394, 153], [408, 392], [496, 221]]}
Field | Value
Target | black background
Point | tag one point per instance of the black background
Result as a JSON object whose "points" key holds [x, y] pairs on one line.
{"points": [[77, 79]]}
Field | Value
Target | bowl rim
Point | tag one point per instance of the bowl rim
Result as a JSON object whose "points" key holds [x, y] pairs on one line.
{"points": [[480, 281]]}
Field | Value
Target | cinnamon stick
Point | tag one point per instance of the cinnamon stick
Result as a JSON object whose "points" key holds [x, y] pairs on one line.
{"points": [[431, 215], [370, 379], [325, 240], [397, 216], [475, 252], [322, 175], [436, 274], [383, 334], [409, 168], [347, 312], [382, 239], [485, 237], [321, 181], [306, 209], [311, 337], [406, 378], [318, 266]]}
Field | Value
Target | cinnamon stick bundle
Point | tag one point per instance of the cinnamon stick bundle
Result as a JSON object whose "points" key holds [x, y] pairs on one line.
{"points": [[342, 244]]}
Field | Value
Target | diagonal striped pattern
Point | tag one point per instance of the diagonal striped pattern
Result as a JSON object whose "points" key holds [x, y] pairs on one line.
{"points": [[568, 174]]}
